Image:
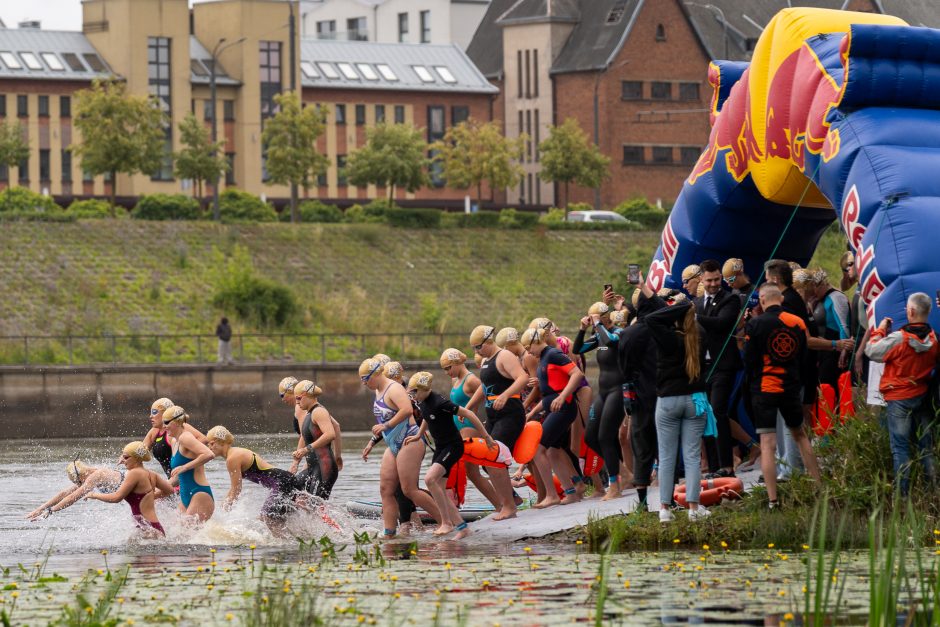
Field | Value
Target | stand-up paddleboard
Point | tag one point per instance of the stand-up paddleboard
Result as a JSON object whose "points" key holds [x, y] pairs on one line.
{"points": [[373, 509]]}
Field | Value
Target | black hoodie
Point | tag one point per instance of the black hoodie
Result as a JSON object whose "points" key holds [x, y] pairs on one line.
{"points": [[671, 378], [637, 352]]}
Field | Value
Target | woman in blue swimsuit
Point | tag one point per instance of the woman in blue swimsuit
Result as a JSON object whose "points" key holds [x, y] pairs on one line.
{"points": [[401, 463], [188, 461]]}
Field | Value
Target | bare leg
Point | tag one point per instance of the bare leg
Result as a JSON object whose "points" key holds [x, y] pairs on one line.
{"points": [[437, 484], [482, 484], [201, 506], [561, 464], [543, 469], [503, 487], [388, 485], [768, 464], [806, 452], [409, 467]]}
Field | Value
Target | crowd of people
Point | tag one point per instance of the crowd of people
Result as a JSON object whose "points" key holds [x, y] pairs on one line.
{"points": [[697, 383]]}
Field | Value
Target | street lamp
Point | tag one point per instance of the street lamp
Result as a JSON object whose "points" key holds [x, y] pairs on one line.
{"points": [[216, 51], [721, 17]]}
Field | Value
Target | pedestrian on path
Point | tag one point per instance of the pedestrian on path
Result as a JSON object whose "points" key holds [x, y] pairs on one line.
{"points": [[224, 333]]}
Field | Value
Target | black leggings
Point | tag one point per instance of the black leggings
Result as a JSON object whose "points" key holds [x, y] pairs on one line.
{"points": [[556, 428], [603, 428]]}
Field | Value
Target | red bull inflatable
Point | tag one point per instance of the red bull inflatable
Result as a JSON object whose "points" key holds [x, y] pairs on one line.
{"points": [[838, 116]]}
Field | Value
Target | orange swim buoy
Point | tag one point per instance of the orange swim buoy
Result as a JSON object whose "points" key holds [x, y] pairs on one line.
{"points": [[713, 490], [475, 451], [457, 482], [592, 461], [530, 481], [528, 442], [824, 409], [846, 401]]}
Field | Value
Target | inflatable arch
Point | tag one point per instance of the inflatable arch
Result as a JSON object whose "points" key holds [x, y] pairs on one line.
{"points": [[838, 116]]}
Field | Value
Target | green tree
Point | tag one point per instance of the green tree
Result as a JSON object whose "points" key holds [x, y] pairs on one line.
{"points": [[395, 155], [567, 156], [200, 160], [119, 133], [14, 147], [290, 140], [473, 152]]}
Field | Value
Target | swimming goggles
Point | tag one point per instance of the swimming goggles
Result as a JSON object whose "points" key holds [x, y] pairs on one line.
{"points": [[366, 378]]}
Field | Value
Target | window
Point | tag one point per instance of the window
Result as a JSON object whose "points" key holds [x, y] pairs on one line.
{"points": [[66, 166], [11, 61], [425, 27], [631, 90], [326, 29], [4, 174], [632, 155], [52, 61], [309, 71], [519, 75], [535, 73], [3, 105], [197, 68], [661, 90], [616, 12], [360, 114], [459, 114], [44, 173], [230, 173], [321, 179], [65, 106], [23, 168], [537, 140], [435, 132], [22, 106], [348, 71], [386, 72], [328, 70], [689, 154], [341, 170], [31, 61], [379, 114], [402, 28], [399, 114], [72, 60], [528, 141], [688, 91], [94, 62], [662, 154], [228, 110], [270, 64], [87, 177], [340, 114], [528, 75], [446, 75], [366, 70], [158, 82], [356, 29], [207, 110], [44, 107], [423, 73], [660, 32]]}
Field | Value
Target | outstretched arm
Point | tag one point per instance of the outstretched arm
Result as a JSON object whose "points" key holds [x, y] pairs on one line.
{"points": [[234, 467], [118, 495], [36, 513]]}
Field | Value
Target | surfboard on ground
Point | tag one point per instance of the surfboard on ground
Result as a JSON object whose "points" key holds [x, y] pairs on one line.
{"points": [[373, 509]]}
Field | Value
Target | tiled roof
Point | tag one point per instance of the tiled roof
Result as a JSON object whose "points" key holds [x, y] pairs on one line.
{"points": [[47, 54]]}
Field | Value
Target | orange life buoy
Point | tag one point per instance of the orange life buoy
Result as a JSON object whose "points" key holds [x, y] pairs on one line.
{"points": [[528, 442], [457, 482], [592, 461], [824, 409], [846, 402], [713, 490], [475, 451], [530, 481]]}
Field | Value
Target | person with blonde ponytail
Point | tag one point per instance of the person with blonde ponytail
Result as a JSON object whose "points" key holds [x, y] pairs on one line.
{"points": [[84, 479], [317, 433], [140, 488], [285, 390], [682, 407]]}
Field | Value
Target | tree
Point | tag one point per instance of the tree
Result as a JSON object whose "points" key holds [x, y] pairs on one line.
{"points": [[290, 140], [568, 157], [395, 155], [14, 147], [200, 160], [473, 152], [119, 133]]}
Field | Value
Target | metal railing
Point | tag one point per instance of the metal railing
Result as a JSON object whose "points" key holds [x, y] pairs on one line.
{"points": [[245, 348]]}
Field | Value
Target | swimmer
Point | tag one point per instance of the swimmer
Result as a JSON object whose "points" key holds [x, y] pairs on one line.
{"points": [[157, 440], [401, 463], [188, 466], [140, 488], [438, 416], [317, 433], [85, 479], [242, 464], [285, 390]]}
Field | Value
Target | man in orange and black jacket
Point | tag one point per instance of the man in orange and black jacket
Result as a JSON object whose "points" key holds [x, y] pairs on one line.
{"points": [[774, 350]]}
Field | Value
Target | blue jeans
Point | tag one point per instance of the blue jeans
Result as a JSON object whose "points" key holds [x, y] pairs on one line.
{"points": [[677, 422], [908, 418]]}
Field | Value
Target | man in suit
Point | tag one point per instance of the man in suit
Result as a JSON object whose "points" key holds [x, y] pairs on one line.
{"points": [[717, 311]]}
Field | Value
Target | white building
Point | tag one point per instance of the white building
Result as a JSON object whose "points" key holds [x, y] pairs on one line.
{"points": [[394, 21]]}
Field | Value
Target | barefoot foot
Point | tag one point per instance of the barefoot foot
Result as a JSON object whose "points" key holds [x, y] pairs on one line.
{"points": [[443, 530], [546, 502]]}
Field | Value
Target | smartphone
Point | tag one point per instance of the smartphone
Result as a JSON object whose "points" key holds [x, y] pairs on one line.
{"points": [[608, 287], [633, 274]]}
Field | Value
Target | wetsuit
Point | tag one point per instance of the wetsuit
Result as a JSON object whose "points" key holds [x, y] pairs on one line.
{"points": [[283, 485], [188, 485], [133, 499], [507, 423], [832, 323], [555, 369], [321, 472], [603, 426], [439, 414], [162, 451], [460, 398]]}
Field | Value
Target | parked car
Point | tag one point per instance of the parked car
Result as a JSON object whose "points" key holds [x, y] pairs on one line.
{"points": [[595, 216]]}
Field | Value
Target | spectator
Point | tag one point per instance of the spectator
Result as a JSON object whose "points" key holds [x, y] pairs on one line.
{"points": [[859, 329], [224, 333], [910, 356], [832, 320], [773, 354]]}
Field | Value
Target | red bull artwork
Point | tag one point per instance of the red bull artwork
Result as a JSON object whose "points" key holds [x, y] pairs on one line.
{"points": [[838, 116]]}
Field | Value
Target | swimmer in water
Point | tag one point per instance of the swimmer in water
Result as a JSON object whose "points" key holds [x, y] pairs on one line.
{"points": [[85, 479], [243, 464], [285, 390], [317, 433], [140, 488], [188, 466], [438, 416], [157, 439]]}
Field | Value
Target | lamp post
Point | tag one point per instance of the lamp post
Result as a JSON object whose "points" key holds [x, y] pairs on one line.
{"points": [[216, 51], [721, 17]]}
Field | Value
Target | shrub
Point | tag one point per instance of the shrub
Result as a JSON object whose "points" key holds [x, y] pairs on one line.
{"points": [[593, 226], [236, 205], [315, 211], [93, 208], [414, 218], [370, 213], [18, 215], [553, 217], [166, 207], [643, 213], [478, 219], [512, 219], [580, 206], [21, 199], [255, 299]]}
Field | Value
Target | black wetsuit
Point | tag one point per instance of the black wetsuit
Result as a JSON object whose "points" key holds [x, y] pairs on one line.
{"points": [[439, 413], [603, 427], [506, 424], [162, 451], [554, 373], [283, 485], [321, 472]]}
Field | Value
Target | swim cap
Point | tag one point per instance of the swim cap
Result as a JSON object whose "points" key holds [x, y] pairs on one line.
{"points": [[75, 470], [162, 404], [175, 413], [847, 259], [382, 358], [619, 317], [801, 279], [678, 298], [420, 381], [794, 265], [220, 434], [138, 451], [533, 336], [819, 276], [667, 292], [482, 334], [452, 357], [394, 370], [307, 388], [691, 272], [599, 309], [731, 268], [541, 323], [286, 386], [506, 337], [369, 367]]}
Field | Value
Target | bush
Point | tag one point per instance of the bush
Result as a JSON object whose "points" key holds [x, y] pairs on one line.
{"points": [[23, 200], [414, 218], [372, 213], [553, 217], [17, 215], [512, 219], [580, 206], [166, 207], [257, 300], [92, 208], [315, 211], [643, 213], [593, 226], [479, 219], [236, 205]]}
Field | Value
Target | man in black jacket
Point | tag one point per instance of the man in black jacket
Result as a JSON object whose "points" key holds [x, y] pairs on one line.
{"points": [[717, 311], [224, 332]]}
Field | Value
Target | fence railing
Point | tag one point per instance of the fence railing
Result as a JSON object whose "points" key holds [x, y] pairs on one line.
{"points": [[246, 347]]}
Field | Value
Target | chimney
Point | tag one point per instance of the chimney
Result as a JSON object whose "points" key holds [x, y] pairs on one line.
{"points": [[30, 25]]}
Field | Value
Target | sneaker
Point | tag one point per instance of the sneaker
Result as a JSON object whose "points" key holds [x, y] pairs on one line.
{"points": [[773, 506], [723, 473], [666, 516], [700, 513]]}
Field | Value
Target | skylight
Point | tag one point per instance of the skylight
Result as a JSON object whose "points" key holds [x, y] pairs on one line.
{"points": [[10, 61], [445, 74], [328, 70], [198, 68], [94, 62], [31, 61], [423, 73], [309, 71], [366, 70], [348, 71], [386, 72], [52, 61], [74, 62]]}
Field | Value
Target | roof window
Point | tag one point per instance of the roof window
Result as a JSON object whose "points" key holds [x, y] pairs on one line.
{"points": [[328, 70], [198, 68], [616, 12], [386, 72], [309, 71], [72, 60], [445, 74], [11, 61], [31, 61], [348, 71], [52, 61], [423, 73], [94, 62], [366, 70]]}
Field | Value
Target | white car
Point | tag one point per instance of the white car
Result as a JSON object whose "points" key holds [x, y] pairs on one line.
{"points": [[595, 216]]}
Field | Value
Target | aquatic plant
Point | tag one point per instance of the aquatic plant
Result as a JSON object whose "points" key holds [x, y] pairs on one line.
{"points": [[99, 614]]}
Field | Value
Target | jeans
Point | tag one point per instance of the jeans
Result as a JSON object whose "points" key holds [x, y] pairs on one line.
{"points": [[908, 418], [225, 352], [677, 422]]}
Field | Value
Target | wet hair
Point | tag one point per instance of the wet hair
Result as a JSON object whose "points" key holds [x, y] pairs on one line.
{"points": [[710, 265], [220, 434]]}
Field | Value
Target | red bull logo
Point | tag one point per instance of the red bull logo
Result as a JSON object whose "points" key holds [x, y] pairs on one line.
{"points": [[851, 210], [661, 268]]}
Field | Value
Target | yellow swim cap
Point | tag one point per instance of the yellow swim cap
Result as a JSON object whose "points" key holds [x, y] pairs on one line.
{"points": [[393, 370], [369, 367], [847, 259], [801, 279], [382, 358], [533, 336], [452, 357], [599, 309], [75, 470], [731, 268], [691, 272], [619, 317], [307, 388], [175, 413], [420, 381], [482, 334], [541, 323], [138, 451], [162, 404], [219, 433], [286, 386], [507, 337]]}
